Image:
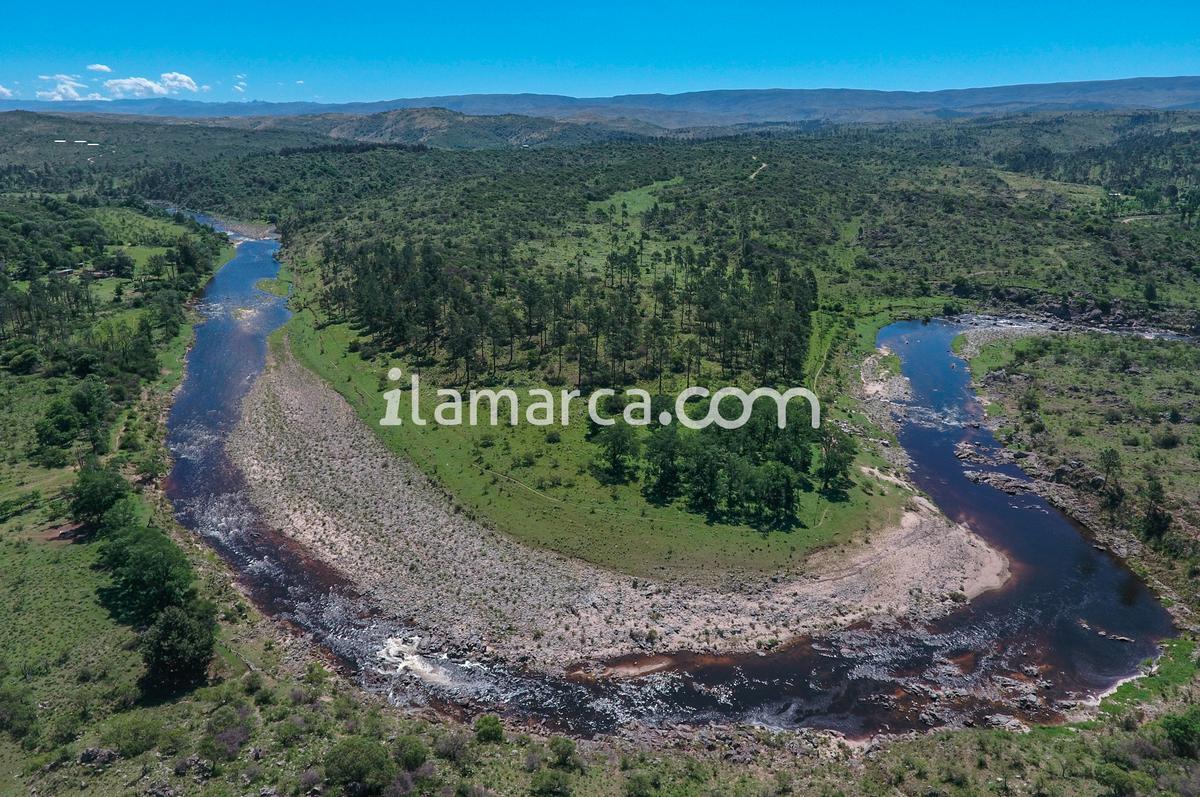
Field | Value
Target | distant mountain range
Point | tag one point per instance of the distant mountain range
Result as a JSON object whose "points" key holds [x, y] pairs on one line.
{"points": [[444, 129], [640, 113]]}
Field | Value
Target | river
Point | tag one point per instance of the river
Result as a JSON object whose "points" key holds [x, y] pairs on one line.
{"points": [[1072, 621]]}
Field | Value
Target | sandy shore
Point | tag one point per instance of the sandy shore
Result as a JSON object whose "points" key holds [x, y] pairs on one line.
{"points": [[322, 477]]}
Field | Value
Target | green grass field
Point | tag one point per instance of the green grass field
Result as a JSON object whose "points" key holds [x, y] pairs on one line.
{"points": [[280, 285]]}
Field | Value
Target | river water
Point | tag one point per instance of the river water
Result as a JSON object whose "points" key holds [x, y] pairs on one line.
{"points": [[1072, 621]]}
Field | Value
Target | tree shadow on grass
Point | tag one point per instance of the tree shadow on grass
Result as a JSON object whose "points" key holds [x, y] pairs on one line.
{"points": [[835, 494]]}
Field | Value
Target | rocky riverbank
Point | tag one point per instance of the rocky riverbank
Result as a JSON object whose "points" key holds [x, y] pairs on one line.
{"points": [[323, 478]]}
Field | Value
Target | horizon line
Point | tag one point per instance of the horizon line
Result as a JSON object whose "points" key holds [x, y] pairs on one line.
{"points": [[249, 101]]}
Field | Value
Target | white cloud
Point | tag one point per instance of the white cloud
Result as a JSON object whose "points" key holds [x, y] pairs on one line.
{"points": [[240, 88], [98, 68], [239, 78], [5, 93], [206, 88], [299, 82], [66, 89], [176, 81], [134, 87], [168, 83]]}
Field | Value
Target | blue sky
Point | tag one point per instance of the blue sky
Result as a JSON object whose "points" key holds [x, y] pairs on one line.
{"points": [[362, 51]]}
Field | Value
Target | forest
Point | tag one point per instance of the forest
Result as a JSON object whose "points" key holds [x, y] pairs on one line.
{"points": [[734, 260]]}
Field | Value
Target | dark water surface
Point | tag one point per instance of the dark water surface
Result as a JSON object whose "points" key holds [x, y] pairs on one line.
{"points": [[1017, 651]]}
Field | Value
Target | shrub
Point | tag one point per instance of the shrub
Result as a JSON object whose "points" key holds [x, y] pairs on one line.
{"points": [[123, 515], [228, 730], [411, 752], [309, 780], [452, 747], [62, 729], [18, 715], [178, 647], [24, 360], [252, 682], [290, 731], [96, 489], [149, 572], [359, 766], [1167, 439], [488, 729], [562, 753], [640, 784], [465, 789], [1124, 784], [132, 734], [1183, 731], [401, 786], [550, 783]]}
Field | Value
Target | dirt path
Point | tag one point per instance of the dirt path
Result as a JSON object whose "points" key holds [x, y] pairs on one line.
{"points": [[326, 480]]}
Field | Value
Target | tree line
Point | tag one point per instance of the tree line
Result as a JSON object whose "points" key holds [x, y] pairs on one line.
{"points": [[153, 584], [754, 474]]}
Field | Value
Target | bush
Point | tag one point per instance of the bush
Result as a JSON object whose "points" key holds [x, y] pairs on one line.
{"points": [[359, 766], [411, 752], [228, 730], [1121, 783], [252, 682], [132, 734], [550, 783], [562, 753], [178, 647], [640, 784], [465, 789], [402, 786], [24, 360], [62, 729], [150, 573], [488, 729], [1167, 439], [1183, 731], [452, 747], [96, 489], [18, 715], [123, 515], [290, 731]]}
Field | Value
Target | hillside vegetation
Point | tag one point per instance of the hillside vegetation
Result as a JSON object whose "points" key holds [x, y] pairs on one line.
{"points": [[743, 260], [438, 127], [1114, 418], [576, 265]]}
